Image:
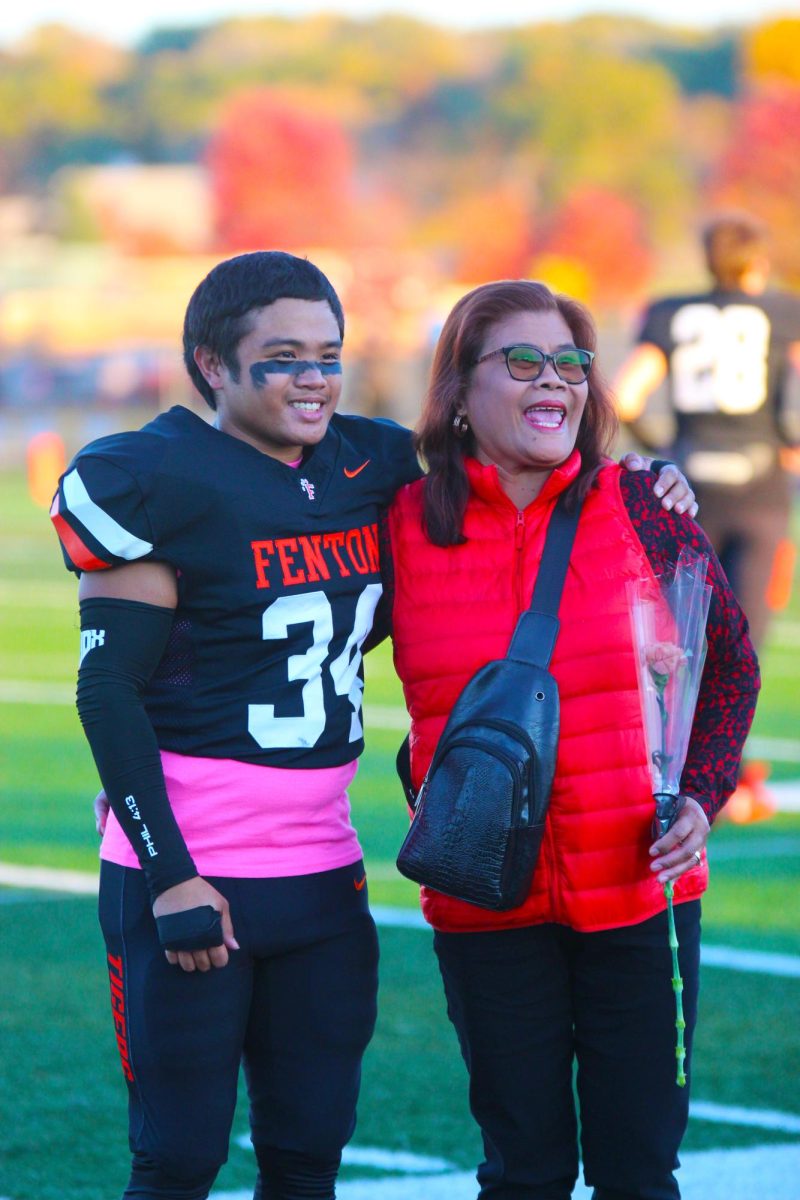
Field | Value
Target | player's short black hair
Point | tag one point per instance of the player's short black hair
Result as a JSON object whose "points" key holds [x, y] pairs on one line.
{"points": [[217, 314], [734, 242]]}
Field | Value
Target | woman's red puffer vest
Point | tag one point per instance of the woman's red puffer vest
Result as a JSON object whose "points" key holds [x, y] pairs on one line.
{"points": [[455, 608]]}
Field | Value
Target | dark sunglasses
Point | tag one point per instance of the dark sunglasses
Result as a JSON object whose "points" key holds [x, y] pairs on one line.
{"points": [[527, 362]]}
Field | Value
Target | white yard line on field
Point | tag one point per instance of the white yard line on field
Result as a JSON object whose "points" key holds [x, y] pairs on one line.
{"points": [[786, 794], [49, 879], [34, 595], [759, 1173], [758, 962], [27, 691], [386, 716], [85, 883], [398, 918], [398, 1161], [728, 957], [378, 716], [753, 1118], [393, 1160], [784, 633], [775, 749], [747, 849]]}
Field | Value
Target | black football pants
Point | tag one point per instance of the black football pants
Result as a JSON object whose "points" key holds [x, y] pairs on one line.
{"points": [[526, 1004], [748, 534], [296, 1005]]}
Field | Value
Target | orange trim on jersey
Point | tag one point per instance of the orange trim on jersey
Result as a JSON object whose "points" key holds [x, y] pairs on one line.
{"points": [[78, 551], [779, 587]]}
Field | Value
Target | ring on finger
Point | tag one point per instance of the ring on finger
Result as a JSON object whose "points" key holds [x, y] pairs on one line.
{"points": [[698, 856]]}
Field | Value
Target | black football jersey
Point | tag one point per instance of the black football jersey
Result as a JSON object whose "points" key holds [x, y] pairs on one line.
{"points": [[728, 362], [278, 576]]}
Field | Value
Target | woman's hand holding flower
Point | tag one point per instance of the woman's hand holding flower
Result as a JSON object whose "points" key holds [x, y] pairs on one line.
{"points": [[676, 852]]}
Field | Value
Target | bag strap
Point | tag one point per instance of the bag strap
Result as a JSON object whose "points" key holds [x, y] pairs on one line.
{"points": [[537, 629]]}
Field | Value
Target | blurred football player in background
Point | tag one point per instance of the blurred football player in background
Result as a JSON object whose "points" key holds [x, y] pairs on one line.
{"points": [[726, 356]]}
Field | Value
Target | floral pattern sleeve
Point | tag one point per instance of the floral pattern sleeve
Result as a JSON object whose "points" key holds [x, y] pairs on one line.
{"points": [[731, 679]]}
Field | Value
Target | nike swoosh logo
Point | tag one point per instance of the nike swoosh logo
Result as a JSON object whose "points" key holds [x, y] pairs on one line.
{"points": [[352, 474], [359, 883]]}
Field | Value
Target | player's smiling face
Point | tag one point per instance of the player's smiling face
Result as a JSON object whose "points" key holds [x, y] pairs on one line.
{"points": [[289, 379]]}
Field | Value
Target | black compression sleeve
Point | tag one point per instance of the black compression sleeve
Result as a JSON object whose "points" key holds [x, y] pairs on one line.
{"points": [[121, 645]]}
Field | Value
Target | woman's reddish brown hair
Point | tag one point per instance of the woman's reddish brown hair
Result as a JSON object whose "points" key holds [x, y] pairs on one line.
{"points": [[461, 342]]}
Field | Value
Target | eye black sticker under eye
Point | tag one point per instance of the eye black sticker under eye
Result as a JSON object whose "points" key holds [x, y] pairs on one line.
{"points": [[260, 370]]}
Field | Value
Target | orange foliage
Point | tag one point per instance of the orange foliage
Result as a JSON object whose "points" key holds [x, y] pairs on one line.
{"points": [[760, 169], [281, 176], [486, 234], [602, 232], [772, 52]]}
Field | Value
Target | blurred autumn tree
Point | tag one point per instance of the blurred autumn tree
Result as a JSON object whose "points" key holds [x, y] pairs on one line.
{"points": [[492, 154], [600, 233], [760, 169], [482, 234], [280, 175], [592, 145], [52, 104], [772, 52]]}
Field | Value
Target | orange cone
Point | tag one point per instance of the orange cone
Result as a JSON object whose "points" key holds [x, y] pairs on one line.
{"points": [[46, 461], [752, 800]]}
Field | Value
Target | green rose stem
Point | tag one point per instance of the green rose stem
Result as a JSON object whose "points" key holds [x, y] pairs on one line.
{"points": [[677, 987], [660, 681]]}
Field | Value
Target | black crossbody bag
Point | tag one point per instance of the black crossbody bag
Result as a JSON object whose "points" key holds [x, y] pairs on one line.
{"points": [[480, 814]]}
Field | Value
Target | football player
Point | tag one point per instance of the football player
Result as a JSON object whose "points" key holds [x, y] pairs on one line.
{"points": [[727, 356], [229, 576]]}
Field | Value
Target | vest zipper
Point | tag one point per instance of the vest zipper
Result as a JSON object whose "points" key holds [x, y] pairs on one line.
{"points": [[519, 539]]}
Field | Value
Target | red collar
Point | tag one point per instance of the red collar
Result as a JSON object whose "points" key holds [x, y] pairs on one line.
{"points": [[485, 482]]}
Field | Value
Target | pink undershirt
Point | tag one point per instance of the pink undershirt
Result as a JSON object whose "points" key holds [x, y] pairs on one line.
{"points": [[246, 821]]}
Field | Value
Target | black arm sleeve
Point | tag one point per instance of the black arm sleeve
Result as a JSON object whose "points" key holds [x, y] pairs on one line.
{"points": [[121, 645]]}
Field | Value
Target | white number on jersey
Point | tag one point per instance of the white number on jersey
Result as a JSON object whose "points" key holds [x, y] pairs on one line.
{"points": [[344, 669], [720, 360], [271, 732]]}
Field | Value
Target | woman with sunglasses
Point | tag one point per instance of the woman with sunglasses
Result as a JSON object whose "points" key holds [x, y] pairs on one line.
{"points": [[580, 972]]}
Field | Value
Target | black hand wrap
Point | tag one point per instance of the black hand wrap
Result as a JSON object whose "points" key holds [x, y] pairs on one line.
{"points": [[658, 464], [194, 929]]}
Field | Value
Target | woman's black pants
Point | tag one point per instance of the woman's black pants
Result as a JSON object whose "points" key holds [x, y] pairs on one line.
{"points": [[529, 1003]]}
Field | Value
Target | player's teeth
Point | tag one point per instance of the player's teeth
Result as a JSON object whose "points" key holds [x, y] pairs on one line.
{"points": [[307, 405]]}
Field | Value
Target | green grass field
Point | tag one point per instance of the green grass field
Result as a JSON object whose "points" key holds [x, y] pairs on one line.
{"points": [[61, 1093]]}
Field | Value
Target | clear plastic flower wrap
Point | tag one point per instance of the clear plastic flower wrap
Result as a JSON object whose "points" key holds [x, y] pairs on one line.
{"points": [[669, 613]]}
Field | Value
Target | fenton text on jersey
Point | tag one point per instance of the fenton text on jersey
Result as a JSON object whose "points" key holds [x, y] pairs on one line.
{"points": [[309, 558]]}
